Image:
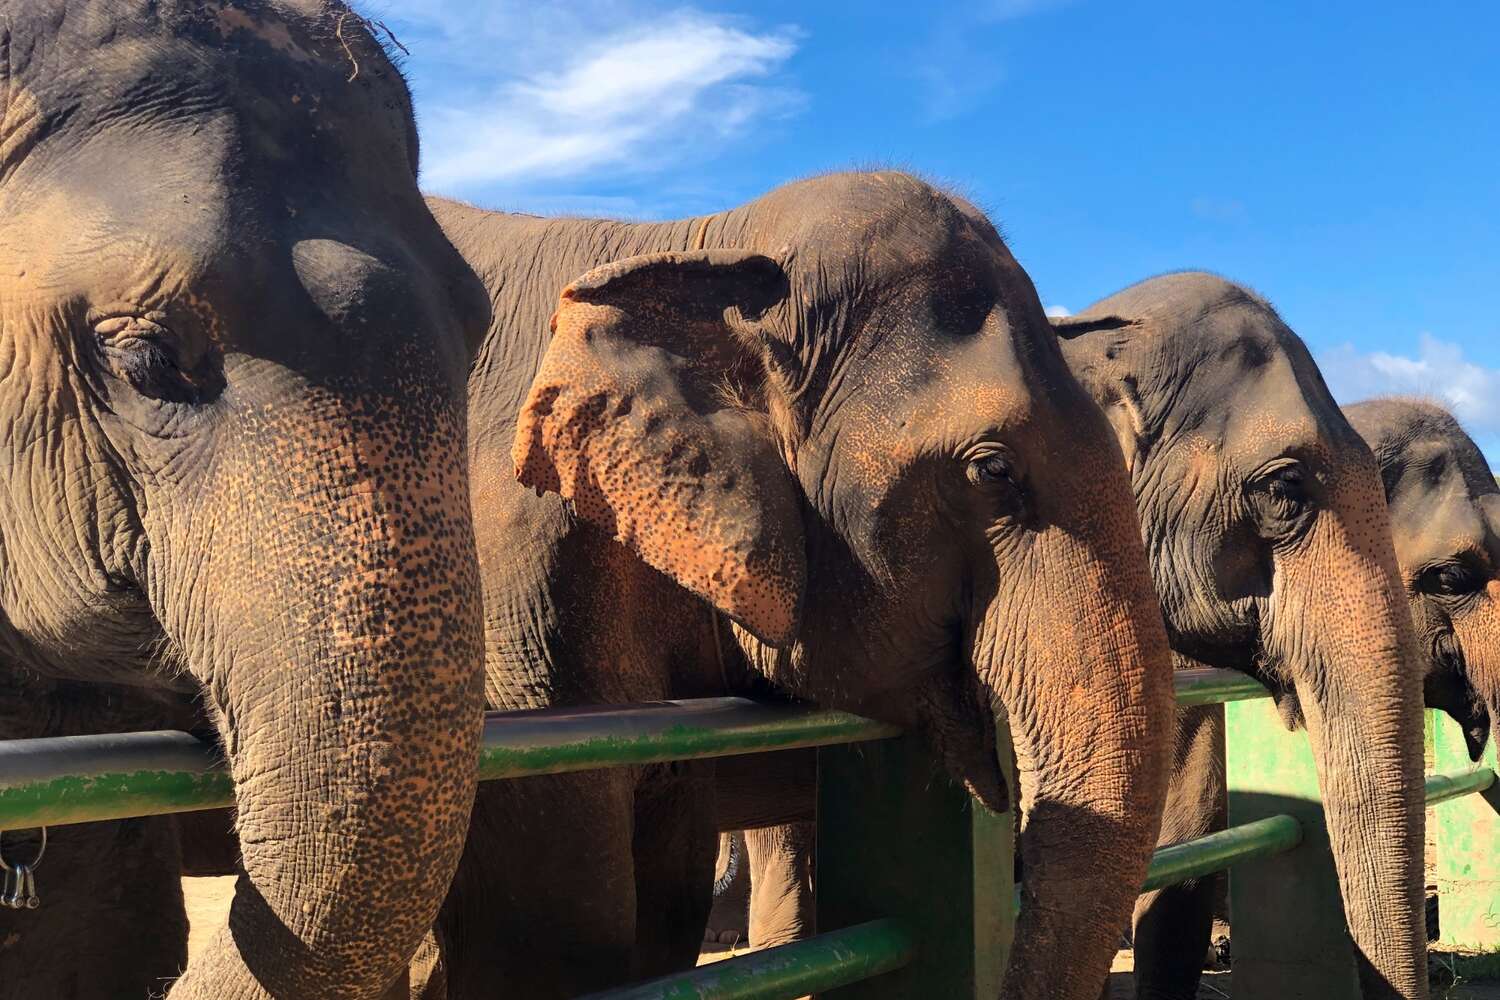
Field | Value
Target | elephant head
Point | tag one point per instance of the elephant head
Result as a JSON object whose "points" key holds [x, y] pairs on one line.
{"points": [[852, 432], [1271, 549], [1445, 519], [233, 350]]}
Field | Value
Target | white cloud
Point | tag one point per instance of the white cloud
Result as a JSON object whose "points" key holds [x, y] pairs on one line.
{"points": [[1059, 312], [1439, 370], [548, 93]]}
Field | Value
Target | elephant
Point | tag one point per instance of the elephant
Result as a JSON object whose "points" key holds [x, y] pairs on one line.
{"points": [[825, 439], [1442, 501], [233, 352], [1245, 474], [1270, 544], [1445, 521]]}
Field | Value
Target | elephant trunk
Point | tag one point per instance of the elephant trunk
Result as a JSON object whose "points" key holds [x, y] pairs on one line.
{"points": [[1477, 630], [339, 619], [1348, 642], [1089, 701]]}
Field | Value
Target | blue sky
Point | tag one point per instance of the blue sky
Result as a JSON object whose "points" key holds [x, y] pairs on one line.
{"points": [[1341, 158]]}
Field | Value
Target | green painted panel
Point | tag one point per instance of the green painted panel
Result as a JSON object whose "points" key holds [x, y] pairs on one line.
{"points": [[1290, 937], [1468, 848], [876, 802], [825, 962], [1211, 686]]}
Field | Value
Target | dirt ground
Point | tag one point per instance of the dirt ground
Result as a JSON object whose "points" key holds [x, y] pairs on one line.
{"points": [[208, 900]]}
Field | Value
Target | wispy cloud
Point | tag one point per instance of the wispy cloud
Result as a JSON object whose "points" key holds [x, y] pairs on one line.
{"points": [[1059, 312], [959, 61], [1437, 370], [1004, 10], [612, 85], [1221, 210]]}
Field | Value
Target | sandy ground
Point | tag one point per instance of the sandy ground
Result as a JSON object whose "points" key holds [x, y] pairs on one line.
{"points": [[208, 900], [207, 903]]}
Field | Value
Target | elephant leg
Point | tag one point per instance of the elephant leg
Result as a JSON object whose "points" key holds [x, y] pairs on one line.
{"points": [[111, 922], [543, 905], [781, 884], [1173, 925], [676, 843], [729, 920]]}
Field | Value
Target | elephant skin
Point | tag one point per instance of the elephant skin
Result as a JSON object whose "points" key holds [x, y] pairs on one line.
{"points": [[1208, 391], [1270, 544], [233, 348], [734, 440], [1443, 505], [1445, 519]]}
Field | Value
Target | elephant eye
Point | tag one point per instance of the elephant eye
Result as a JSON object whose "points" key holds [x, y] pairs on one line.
{"points": [[1450, 579], [1287, 486], [141, 352], [991, 469], [1281, 496]]}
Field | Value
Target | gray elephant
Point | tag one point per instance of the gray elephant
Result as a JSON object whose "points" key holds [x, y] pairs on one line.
{"points": [[1270, 547], [232, 354], [1442, 503], [1445, 519], [1266, 526], [827, 439]]}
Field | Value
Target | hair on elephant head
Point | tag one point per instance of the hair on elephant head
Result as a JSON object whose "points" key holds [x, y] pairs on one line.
{"points": [[233, 350], [1270, 546], [847, 425], [1445, 519]]}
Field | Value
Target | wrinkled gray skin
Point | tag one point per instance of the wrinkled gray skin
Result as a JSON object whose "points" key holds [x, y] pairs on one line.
{"points": [[1270, 546], [853, 452], [1213, 398], [232, 354]]}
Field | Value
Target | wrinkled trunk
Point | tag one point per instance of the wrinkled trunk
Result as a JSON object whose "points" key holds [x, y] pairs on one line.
{"points": [[1340, 625], [1083, 672], [337, 620]]}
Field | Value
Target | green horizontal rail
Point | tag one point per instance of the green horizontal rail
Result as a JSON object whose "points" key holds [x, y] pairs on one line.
{"points": [[1456, 784], [1218, 851], [554, 741], [1212, 686], [1275, 834], [81, 779], [824, 962]]}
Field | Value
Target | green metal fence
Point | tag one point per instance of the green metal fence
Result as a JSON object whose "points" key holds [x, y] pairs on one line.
{"points": [[935, 919]]}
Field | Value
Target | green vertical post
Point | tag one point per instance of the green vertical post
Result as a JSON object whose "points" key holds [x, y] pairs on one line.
{"points": [[1468, 848], [897, 839], [1286, 914]]}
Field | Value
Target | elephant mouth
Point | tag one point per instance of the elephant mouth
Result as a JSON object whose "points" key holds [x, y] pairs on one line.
{"points": [[959, 719], [1461, 701]]}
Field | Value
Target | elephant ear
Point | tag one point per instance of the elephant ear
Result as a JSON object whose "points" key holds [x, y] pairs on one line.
{"points": [[628, 419], [1096, 348]]}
